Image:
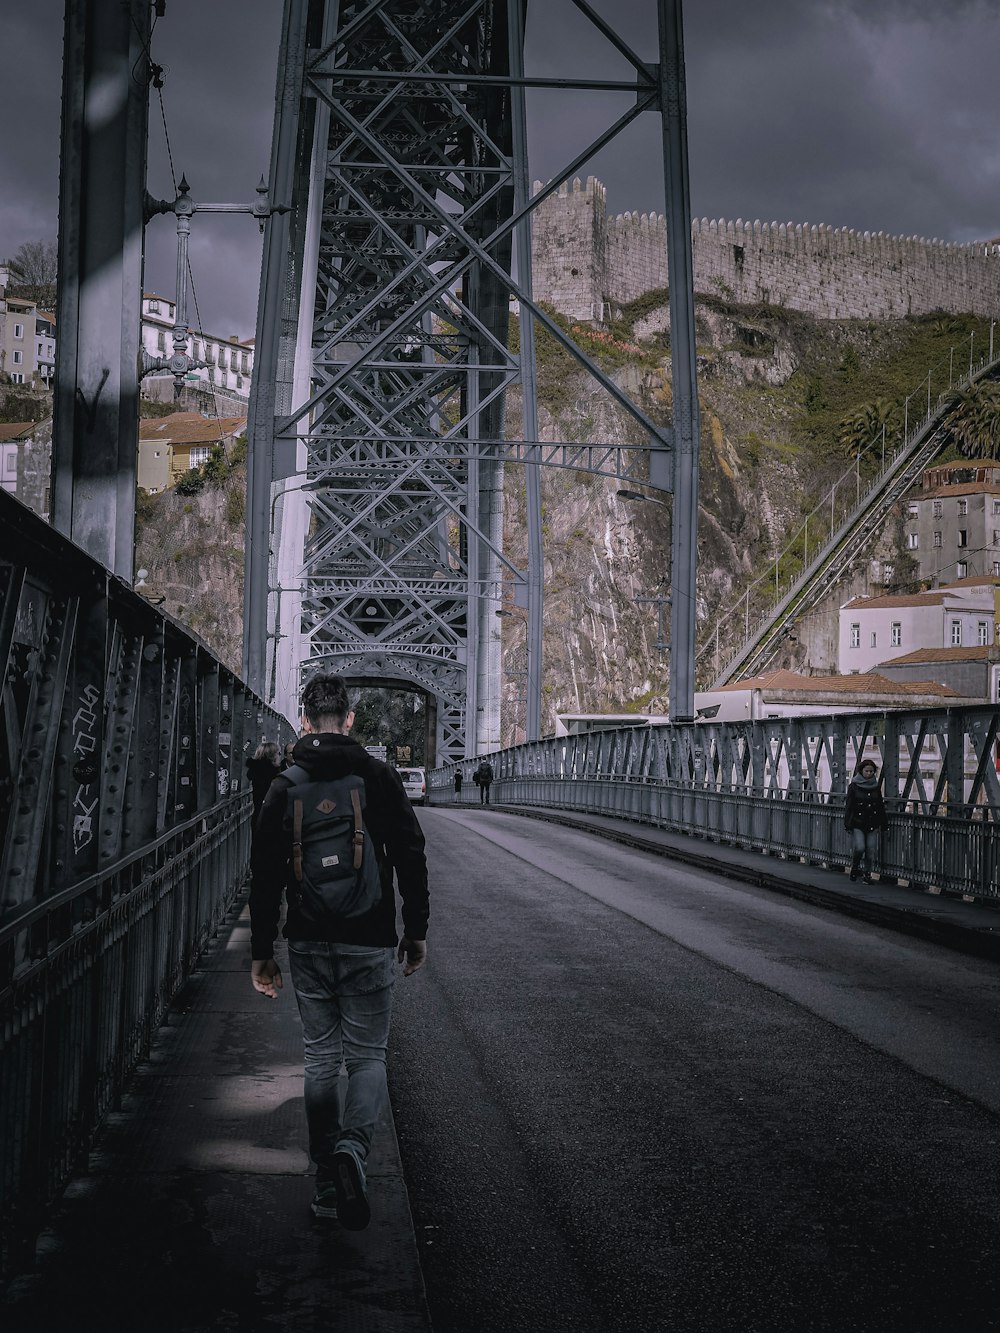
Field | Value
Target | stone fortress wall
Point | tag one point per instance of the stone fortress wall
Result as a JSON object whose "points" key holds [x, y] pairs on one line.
{"points": [[585, 263]]}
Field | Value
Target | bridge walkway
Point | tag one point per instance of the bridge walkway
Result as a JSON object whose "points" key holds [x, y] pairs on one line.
{"points": [[193, 1211]]}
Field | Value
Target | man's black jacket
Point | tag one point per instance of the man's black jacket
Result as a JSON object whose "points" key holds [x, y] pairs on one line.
{"points": [[399, 846]]}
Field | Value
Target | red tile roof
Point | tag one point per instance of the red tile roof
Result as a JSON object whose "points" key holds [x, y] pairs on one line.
{"points": [[190, 428], [16, 430], [972, 653], [933, 597], [868, 683]]}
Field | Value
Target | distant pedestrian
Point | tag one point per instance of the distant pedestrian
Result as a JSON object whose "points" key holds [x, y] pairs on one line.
{"points": [[864, 818], [458, 782], [334, 827], [262, 769], [288, 761], [484, 776]]}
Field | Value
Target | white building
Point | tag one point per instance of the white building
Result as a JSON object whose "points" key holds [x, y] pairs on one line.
{"points": [[27, 338], [875, 630], [229, 360]]}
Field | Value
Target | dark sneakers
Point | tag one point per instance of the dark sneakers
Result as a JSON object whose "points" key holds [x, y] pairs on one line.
{"points": [[353, 1211], [324, 1204]]}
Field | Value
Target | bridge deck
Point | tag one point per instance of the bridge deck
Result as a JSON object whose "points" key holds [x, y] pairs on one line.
{"points": [[972, 927], [193, 1212]]}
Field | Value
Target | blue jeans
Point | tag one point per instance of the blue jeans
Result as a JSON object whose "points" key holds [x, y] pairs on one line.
{"points": [[344, 994], [864, 845]]}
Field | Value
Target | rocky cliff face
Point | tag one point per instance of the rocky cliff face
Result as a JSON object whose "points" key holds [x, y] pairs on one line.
{"points": [[192, 549], [773, 383]]}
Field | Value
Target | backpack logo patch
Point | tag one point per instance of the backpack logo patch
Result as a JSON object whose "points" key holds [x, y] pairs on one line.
{"points": [[326, 807]]}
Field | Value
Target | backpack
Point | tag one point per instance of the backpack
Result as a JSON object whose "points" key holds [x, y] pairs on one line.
{"points": [[333, 857]]}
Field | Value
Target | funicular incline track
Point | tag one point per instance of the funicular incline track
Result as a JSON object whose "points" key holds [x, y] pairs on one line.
{"points": [[854, 537]]}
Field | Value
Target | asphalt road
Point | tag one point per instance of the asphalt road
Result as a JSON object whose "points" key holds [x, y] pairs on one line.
{"points": [[634, 1096]]}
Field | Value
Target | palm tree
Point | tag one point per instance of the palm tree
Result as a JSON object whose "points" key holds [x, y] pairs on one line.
{"points": [[974, 420]]}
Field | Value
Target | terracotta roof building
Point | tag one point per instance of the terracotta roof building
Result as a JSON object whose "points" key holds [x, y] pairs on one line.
{"points": [[169, 446]]}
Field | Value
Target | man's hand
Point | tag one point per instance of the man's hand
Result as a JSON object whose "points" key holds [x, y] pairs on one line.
{"points": [[266, 977], [415, 953]]}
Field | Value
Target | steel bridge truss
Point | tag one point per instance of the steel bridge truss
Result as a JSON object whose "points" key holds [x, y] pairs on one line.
{"points": [[393, 273]]}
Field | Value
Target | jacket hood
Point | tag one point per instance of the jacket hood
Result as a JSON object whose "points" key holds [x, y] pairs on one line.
{"points": [[327, 751]]}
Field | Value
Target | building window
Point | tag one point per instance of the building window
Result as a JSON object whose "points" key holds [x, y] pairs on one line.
{"points": [[888, 569], [244, 364], [17, 358], [154, 307], [937, 539], [41, 352], [913, 540], [938, 508], [17, 377], [855, 636], [161, 341], [962, 569], [156, 453], [222, 358], [956, 634], [996, 508], [996, 536], [11, 463], [913, 509], [874, 639], [984, 632], [225, 379], [963, 506], [963, 537], [198, 455], [996, 568], [18, 330], [896, 634], [232, 360]]}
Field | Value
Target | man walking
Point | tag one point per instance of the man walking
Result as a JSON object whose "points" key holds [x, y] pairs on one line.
{"points": [[484, 776], [340, 940]]}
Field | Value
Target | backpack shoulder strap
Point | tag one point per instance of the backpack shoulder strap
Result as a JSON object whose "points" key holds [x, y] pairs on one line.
{"points": [[296, 775], [359, 828], [297, 840]]}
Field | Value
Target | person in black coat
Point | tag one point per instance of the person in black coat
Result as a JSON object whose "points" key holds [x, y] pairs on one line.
{"points": [[864, 818], [262, 769]]}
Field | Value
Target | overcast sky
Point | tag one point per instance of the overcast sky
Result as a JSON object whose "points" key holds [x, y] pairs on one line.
{"points": [[877, 114]]}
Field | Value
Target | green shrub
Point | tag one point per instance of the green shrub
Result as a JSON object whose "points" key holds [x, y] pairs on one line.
{"points": [[191, 483]]}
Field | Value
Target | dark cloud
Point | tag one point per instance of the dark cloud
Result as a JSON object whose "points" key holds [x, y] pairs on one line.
{"points": [[875, 114]]}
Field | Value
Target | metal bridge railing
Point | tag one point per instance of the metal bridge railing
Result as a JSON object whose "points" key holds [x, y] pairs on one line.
{"points": [[124, 825], [777, 786]]}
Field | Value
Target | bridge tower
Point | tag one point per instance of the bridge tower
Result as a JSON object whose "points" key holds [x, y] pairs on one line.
{"points": [[376, 433], [382, 357]]}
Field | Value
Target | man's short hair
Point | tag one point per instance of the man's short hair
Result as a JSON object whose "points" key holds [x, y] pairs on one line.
{"points": [[325, 696]]}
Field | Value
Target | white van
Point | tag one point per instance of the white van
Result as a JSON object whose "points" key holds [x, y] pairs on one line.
{"points": [[414, 784]]}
